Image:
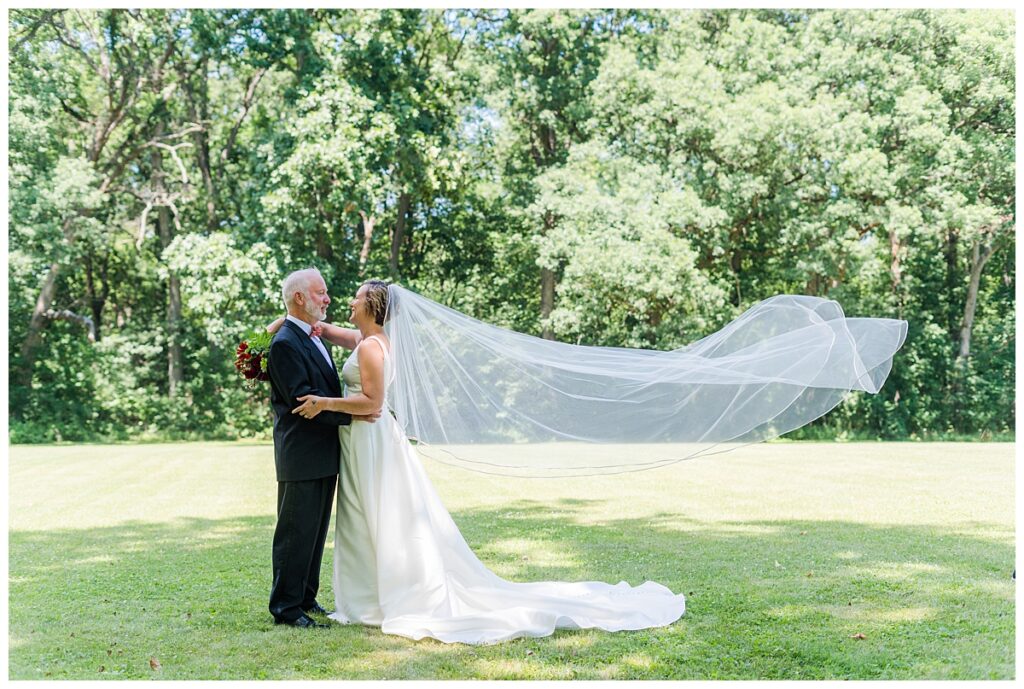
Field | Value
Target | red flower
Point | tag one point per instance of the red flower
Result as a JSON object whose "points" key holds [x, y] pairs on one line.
{"points": [[248, 362]]}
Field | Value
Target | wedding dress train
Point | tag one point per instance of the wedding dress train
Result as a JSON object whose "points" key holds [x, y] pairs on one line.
{"points": [[401, 563]]}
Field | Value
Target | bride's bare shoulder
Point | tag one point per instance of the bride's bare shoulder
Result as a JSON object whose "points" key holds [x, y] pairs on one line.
{"points": [[383, 344]]}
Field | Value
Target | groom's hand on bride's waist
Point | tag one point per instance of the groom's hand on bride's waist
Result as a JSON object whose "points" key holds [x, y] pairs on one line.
{"points": [[369, 418]]}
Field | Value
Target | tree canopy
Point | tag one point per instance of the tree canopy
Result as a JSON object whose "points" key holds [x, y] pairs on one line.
{"points": [[612, 177]]}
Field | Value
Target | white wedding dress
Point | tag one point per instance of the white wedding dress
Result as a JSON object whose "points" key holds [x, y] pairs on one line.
{"points": [[401, 563]]}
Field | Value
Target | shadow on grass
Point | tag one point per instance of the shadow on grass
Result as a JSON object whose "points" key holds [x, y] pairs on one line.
{"points": [[772, 599]]}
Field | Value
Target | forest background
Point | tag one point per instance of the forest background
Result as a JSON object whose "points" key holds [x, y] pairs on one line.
{"points": [[615, 177]]}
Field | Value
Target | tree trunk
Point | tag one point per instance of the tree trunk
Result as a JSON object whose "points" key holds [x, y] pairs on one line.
{"points": [[547, 300], [200, 113], [813, 286], [952, 282], [980, 254], [895, 269], [35, 325], [735, 263], [44, 302], [404, 201], [175, 368], [247, 101], [96, 306], [547, 286], [323, 247], [364, 254], [96, 300]]}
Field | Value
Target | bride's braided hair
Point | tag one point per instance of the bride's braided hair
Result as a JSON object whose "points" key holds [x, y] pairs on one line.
{"points": [[377, 299]]}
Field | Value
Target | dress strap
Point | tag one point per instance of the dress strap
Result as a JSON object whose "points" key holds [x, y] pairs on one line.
{"points": [[380, 343]]}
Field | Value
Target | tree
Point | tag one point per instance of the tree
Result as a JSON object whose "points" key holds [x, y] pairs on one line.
{"points": [[548, 59], [112, 57]]}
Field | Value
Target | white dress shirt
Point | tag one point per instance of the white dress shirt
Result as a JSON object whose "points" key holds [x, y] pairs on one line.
{"points": [[307, 328]]}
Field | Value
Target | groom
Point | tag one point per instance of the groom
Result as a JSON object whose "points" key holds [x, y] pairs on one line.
{"points": [[307, 452]]}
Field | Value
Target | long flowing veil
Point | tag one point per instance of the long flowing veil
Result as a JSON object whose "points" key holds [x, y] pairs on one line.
{"points": [[502, 402]]}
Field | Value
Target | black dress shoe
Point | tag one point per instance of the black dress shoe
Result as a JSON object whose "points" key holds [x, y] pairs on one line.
{"points": [[315, 610], [303, 622]]}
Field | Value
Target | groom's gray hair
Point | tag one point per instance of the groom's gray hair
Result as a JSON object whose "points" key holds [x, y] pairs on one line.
{"points": [[297, 281]]}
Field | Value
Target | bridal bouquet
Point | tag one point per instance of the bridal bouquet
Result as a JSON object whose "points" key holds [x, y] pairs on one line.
{"points": [[251, 358]]}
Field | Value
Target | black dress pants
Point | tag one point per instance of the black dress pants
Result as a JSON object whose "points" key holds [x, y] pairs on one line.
{"points": [[303, 518]]}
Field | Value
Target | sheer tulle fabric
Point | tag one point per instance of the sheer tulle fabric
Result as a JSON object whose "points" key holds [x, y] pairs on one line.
{"points": [[469, 390]]}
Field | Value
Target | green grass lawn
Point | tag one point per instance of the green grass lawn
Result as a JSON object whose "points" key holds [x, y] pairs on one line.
{"points": [[124, 554]]}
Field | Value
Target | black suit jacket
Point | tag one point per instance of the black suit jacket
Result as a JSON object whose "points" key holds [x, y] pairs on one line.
{"points": [[304, 449]]}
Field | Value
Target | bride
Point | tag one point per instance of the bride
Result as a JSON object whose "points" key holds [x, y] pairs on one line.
{"points": [[400, 561]]}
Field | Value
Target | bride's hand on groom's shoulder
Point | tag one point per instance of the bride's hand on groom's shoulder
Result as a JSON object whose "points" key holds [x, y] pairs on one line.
{"points": [[310, 407], [276, 325]]}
